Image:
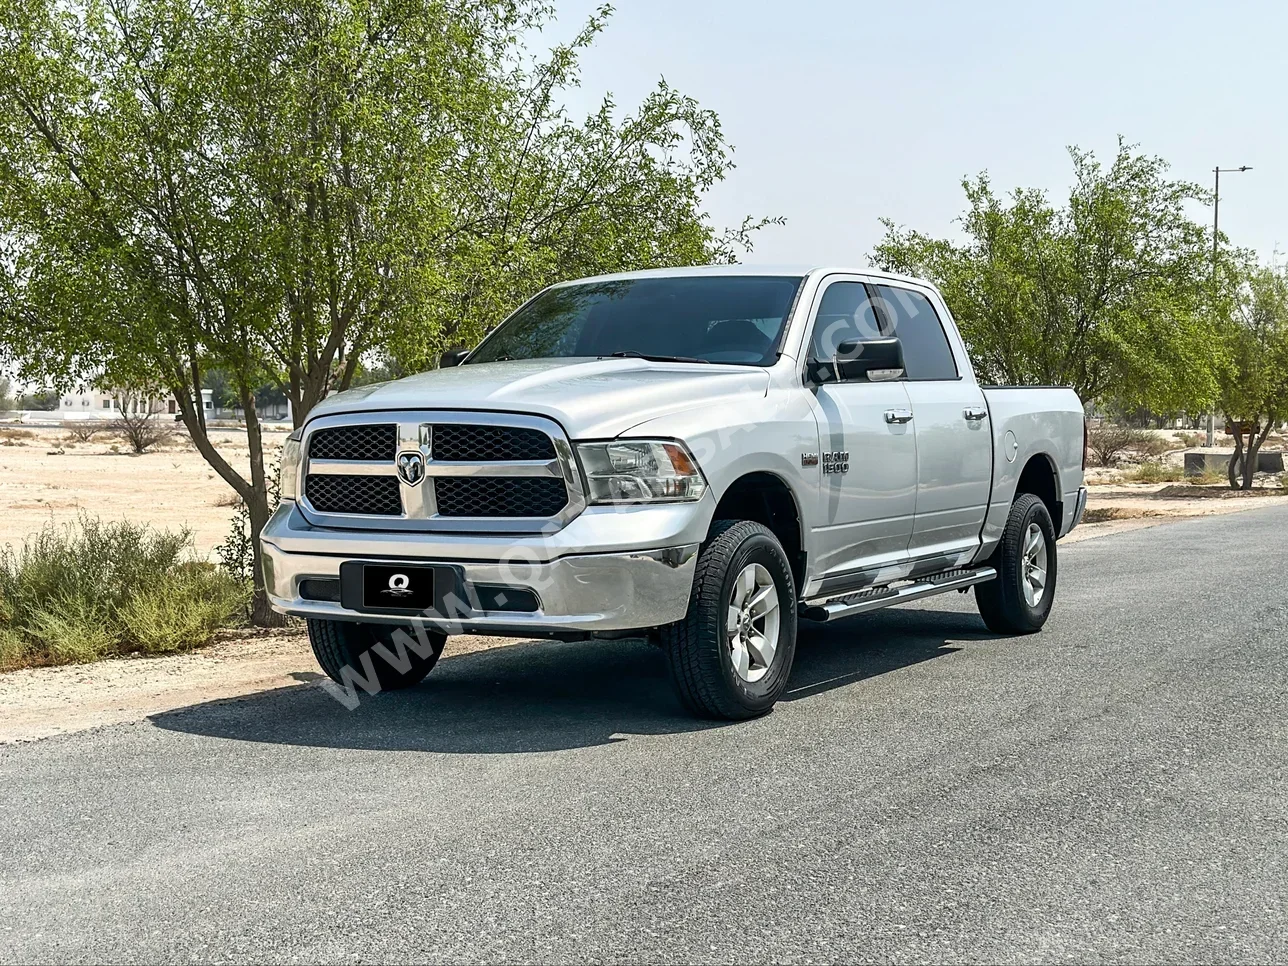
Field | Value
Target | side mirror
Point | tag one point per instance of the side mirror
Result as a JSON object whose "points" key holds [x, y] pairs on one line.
{"points": [[872, 360], [452, 357]]}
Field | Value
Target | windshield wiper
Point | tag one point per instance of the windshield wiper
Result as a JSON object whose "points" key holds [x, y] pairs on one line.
{"points": [[632, 354]]}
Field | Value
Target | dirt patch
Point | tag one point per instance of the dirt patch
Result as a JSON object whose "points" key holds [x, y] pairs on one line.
{"points": [[1100, 514], [42, 702], [1121, 507], [1217, 493], [45, 477]]}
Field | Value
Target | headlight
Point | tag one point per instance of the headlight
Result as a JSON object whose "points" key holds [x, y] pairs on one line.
{"points": [[290, 465], [641, 471]]}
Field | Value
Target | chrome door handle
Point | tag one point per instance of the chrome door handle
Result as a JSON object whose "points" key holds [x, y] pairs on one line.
{"points": [[898, 416], [975, 413]]}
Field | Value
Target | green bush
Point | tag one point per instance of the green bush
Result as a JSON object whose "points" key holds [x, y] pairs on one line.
{"points": [[1153, 473], [189, 607], [95, 589]]}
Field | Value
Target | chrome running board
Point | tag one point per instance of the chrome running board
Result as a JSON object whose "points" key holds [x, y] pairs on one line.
{"points": [[877, 597]]}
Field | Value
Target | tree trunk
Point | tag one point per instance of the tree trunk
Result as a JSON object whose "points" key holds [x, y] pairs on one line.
{"points": [[1255, 441], [258, 508], [1236, 461], [261, 613]]}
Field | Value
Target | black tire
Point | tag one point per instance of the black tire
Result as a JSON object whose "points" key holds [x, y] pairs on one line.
{"points": [[1001, 602], [341, 644], [698, 648]]}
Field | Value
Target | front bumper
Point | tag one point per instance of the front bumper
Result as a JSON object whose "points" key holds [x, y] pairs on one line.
{"points": [[580, 588]]}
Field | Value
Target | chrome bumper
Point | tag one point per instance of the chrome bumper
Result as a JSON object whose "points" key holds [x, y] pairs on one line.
{"points": [[612, 590]]}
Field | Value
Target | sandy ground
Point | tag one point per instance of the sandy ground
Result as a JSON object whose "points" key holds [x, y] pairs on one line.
{"points": [[45, 476]]}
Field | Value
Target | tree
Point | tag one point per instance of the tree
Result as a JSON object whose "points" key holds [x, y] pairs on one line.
{"points": [[44, 401], [554, 199], [1254, 386], [1112, 294], [7, 401], [222, 393], [139, 421], [273, 188]]}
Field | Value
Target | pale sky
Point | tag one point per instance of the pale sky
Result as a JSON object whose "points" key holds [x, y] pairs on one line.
{"points": [[842, 113]]}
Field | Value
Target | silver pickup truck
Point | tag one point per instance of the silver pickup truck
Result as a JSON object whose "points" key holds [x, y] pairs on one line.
{"points": [[698, 456]]}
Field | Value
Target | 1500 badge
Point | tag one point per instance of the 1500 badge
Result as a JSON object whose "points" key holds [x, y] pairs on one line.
{"points": [[836, 462]]}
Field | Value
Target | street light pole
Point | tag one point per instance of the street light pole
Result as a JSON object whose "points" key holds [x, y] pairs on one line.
{"points": [[1216, 241]]}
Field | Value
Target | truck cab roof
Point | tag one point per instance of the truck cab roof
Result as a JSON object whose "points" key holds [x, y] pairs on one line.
{"points": [[797, 270]]}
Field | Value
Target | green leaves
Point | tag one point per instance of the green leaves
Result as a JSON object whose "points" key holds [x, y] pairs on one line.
{"points": [[1254, 385], [1113, 294], [276, 188]]}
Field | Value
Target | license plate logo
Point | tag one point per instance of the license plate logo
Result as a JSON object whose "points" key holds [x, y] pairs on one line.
{"points": [[398, 588]]}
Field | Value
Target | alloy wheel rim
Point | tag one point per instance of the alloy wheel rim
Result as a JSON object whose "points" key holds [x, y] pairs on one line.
{"points": [[1033, 566], [752, 622]]}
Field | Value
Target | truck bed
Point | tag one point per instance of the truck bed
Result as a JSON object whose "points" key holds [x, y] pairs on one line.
{"points": [[1043, 422]]}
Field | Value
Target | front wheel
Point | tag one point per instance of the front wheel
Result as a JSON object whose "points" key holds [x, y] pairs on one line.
{"points": [[732, 654], [397, 657], [1019, 600]]}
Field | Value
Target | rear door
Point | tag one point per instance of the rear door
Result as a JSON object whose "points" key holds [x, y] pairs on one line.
{"points": [[867, 459], [950, 416]]}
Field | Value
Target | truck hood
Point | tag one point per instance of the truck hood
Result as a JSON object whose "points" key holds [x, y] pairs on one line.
{"points": [[590, 398]]}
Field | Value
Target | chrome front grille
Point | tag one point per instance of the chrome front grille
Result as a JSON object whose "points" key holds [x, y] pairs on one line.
{"points": [[496, 472]]}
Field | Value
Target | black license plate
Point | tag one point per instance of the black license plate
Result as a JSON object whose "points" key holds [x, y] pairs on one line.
{"points": [[397, 588]]}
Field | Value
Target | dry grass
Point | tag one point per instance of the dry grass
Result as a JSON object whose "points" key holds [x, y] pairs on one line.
{"points": [[1208, 478], [1153, 473], [84, 431]]}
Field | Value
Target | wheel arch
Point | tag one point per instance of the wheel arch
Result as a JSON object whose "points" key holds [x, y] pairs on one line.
{"points": [[1041, 478], [766, 498]]}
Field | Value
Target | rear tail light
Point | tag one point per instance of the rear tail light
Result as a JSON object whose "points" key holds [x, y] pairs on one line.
{"points": [[1086, 442]]}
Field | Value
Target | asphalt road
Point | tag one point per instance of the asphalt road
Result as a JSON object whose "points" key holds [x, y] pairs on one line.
{"points": [[1110, 790]]}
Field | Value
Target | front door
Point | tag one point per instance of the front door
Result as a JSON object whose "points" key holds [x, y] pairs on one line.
{"points": [[954, 438], [867, 457]]}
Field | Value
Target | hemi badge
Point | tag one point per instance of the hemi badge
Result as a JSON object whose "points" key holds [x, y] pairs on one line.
{"points": [[809, 459]]}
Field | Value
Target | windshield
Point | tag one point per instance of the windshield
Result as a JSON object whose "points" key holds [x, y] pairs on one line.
{"points": [[734, 319]]}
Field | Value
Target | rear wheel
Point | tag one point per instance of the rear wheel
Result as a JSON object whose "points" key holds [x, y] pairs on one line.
{"points": [[396, 663], [732, 654], [1019, 600]]}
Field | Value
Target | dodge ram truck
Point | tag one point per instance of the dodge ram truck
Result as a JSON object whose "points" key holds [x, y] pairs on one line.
{"points": [[701, 457]]}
